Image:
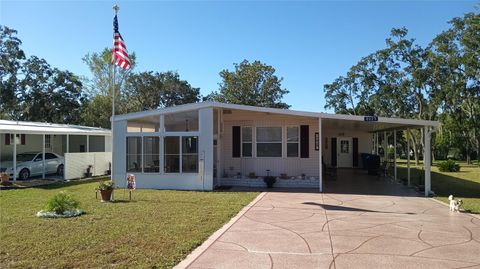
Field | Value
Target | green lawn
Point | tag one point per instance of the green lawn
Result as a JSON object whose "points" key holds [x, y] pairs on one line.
{"points": [[155, 230], [464, 184]]}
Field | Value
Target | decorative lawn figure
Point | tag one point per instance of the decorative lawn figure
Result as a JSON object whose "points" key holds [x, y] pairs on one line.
{"points": [[61, 205], [131, 185]]}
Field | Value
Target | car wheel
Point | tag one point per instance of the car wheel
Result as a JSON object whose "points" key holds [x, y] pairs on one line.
{"points": [[24, 174], [60, 170]]}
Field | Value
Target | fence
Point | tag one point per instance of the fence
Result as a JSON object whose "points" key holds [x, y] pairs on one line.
{"points": [[76, 164]]}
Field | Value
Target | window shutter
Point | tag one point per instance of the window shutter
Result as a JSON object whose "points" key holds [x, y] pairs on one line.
{"points": [[334, 151], [22, 139], [355, 151], [304, 148], [236, 141], [7, 139]]}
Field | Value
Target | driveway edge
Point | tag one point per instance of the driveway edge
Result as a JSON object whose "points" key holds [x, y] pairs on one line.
{"points": [[205, 245]]}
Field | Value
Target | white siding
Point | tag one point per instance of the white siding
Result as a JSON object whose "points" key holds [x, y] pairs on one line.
{"points": [[291, 166], [76, 163]]}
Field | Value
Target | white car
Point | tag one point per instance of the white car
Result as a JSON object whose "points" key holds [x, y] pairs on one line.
{"points": [[31, 164]]}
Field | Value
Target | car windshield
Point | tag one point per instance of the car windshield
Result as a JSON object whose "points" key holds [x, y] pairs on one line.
{"points": [[25, 157]]}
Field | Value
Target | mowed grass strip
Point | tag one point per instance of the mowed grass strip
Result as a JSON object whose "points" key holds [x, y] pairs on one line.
{"points": [[463, 185], [155, 230]]}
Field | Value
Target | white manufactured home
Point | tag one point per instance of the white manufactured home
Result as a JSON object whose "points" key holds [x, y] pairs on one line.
{"points": [[203, 145]]}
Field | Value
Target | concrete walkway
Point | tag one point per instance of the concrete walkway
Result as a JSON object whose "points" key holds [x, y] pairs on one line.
{"points": [[344, 230]]}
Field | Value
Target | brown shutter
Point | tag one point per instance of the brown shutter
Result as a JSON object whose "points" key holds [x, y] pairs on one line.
{"points": [[236, 141], [334, 151], [304, 148], [22, 139], [355, 152], [7, 139]]}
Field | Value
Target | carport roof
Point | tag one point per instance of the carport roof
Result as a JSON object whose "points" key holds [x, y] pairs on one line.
{"points": [[337, 120], [26, 127]]}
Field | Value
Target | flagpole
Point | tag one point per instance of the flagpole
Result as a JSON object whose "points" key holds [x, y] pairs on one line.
{"points": [[115, 9]]}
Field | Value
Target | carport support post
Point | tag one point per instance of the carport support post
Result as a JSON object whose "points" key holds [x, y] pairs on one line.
{"points": [[88, 143], [427, 160], [320, 166], [43, 156], [395, 154], [408, 156], [68, 143], [385, 146], [376, 143], [14, 157]]}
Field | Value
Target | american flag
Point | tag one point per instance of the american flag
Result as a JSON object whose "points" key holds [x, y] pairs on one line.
{"points": [[119, 53]]}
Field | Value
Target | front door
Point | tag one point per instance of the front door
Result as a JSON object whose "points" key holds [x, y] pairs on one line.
{"points": [[344, 152]]}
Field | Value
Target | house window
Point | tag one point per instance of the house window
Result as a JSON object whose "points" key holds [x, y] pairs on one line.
{"points": [[190, 154], [172, 154], [134, 154], [151, 150], [292, 141], [269, 141], [247, 141]]}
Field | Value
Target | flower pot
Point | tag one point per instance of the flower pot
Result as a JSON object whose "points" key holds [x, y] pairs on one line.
{"points": [[4, 177], [106, 195]]}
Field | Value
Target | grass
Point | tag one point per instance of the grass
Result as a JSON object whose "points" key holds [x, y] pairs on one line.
{"points": [[155, 230], [464, 185]]}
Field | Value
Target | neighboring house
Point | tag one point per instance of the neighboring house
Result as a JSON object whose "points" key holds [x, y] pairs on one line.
{"points": [[202, 145], [18, 137]]}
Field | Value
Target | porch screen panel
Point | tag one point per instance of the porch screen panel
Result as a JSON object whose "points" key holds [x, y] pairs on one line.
{"points": [[269, 141], [190, 154], [172, 154], [151, 157], [134, 154]]}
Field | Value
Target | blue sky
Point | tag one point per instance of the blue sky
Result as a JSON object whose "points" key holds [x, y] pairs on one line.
{"points": [[309, 43]]}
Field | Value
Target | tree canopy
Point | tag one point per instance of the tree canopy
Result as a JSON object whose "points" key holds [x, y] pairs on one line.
{"points": [[31, 89], [440, 81], [253, 84]]}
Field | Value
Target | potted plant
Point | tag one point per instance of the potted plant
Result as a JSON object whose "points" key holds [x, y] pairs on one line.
{"points": [[284, 176], [269, 180], [89, 171], [4, 179], [106, 190], [252, 175]]}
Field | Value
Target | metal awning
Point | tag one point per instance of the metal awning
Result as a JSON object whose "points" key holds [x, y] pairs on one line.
{"points": [[25, 127]]}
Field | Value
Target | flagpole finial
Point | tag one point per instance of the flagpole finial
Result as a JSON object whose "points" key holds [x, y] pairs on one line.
{"points": [[116, 8]]}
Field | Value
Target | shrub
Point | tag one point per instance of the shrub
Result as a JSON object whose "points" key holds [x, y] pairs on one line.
{"points": [[449, 166], [61, 202]]}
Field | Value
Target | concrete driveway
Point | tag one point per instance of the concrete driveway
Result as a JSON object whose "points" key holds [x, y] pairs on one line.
{"points": [[343, 230]]}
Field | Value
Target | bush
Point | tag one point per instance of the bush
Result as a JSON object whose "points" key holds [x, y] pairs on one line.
{"points": [[449, 166], [61, 202]]}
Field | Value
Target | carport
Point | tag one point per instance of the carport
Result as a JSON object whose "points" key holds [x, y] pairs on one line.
{"points": [[379, 129], [20, 136]]}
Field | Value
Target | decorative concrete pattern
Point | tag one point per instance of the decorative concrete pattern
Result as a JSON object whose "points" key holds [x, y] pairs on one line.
{"points": [[345, 230]]}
